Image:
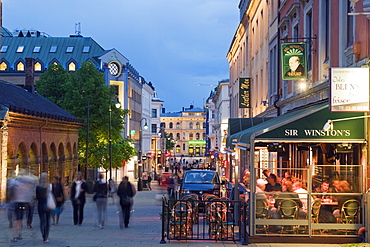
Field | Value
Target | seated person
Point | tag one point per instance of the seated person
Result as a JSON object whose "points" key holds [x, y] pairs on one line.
{"points": [[273, 185], [344, 187], [324, 189], [288, 193]]}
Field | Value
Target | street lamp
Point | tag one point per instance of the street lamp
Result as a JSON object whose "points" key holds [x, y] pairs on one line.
{"points": [[141, 137], [118, 105], [329, 124]]}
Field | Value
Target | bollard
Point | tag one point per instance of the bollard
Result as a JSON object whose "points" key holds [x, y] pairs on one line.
{"points": [[139, 185]]}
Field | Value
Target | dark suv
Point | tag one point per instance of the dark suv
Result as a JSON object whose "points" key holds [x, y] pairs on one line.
{"points": [[200, 182]]}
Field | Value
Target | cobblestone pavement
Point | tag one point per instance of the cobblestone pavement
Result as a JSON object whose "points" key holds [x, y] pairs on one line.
{"points": [[144, 228]]}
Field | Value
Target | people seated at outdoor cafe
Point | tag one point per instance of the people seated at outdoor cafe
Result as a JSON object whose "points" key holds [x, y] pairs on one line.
{"points": [[288, 193], [273, 185], [324, 189], [343, 187], [302, 193]]}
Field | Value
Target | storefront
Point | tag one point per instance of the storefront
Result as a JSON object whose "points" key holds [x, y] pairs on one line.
{"points": [[302, 153]]}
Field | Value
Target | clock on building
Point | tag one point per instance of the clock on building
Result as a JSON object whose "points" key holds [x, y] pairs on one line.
{"points": [[114, 68]]}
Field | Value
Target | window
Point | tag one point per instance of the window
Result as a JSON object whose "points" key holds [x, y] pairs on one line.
{"points": [[20, 49], [154, 128], [86, 49], [154, 113], [71, 66], [190, 125], [204, 136], [178, 150], [53, 49], [171, 125], [20, 66], [69, 49], [178, 136], [197, 136], [4, 48], [36, 49], [191, 136], [3, 66], [197, 125], [204, 125], [37, 66], [177, 125]]}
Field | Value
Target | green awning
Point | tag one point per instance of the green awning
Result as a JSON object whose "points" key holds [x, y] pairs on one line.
{"points": [[304, 125]]}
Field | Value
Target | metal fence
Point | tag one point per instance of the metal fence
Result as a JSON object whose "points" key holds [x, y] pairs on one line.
{"points": [[212, 219]]}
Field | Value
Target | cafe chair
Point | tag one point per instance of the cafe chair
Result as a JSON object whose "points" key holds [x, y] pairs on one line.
{"points": [[350, 211], [288, 210], [261, 213], [221, 225], [181, 220], [316, 205]]}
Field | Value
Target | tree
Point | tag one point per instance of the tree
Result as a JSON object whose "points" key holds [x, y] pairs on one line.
{"points": [[73, 92]]}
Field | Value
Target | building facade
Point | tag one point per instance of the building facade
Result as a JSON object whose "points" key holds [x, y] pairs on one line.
{"points": [[300, 139]]}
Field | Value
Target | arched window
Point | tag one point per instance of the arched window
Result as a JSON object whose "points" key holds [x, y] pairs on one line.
{"points": [[177, 125], [171, 136], [37, 66], [197, 125], [191, 137], [178, 136], [190, 125], [20, 66], [178, 150], [3, 66], [197, 136], [171, 125], [71, 66]]}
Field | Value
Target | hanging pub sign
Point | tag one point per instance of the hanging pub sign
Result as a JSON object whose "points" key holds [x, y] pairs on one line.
{"points": [[293, 61], [244, 92], [349, 89]]}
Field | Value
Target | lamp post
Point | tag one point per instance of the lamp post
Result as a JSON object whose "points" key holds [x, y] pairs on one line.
{"points": [[110, 137], [87, 137], [141, 138]]}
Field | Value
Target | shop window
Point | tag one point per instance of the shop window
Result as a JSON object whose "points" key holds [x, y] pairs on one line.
{"points": [[20, 66], [3, 66]]}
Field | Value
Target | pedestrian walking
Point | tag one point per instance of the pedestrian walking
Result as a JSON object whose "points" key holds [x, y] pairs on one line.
{"points": [[112, 189], [42, 191], [23, 188], [78, 198], [58, 193], [101, 199], [126, 191]]}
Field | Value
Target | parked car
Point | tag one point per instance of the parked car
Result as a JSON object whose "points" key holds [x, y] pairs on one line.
{"points": [[200, 182]]}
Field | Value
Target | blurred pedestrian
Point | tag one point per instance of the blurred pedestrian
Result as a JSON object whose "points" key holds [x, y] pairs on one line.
{"points": [[112, 189], [9, 202], [23, 188], [101, 198], [42, 191], [58, 193], [126, 191], [78, 198]]}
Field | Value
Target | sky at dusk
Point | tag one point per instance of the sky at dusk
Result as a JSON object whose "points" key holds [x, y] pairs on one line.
{"points": [[175, 44]]}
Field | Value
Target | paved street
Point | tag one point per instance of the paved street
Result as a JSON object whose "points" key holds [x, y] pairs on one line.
{"points": [[144, 229]]}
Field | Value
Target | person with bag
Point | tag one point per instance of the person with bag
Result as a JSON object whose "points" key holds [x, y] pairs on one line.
{"points": [[42, 193], [78, 199], [101, 198], [58, 193], [126, 191]]}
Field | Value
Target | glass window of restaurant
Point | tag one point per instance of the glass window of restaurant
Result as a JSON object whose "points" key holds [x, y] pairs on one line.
{"points": [[307, 188]]}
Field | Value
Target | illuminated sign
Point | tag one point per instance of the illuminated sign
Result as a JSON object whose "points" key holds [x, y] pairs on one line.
{"points": [[349, 89], [293, 60], [244, 93]]}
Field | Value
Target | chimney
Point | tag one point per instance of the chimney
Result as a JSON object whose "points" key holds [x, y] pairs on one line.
{"points": [[30, 76]]}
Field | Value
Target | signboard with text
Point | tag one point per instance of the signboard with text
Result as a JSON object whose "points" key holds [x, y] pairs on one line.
{"points": [[349, 89], [244, 92], [293, 60]]}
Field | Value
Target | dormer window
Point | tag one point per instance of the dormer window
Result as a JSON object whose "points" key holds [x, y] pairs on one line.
{"points": [[71, 66], [3, 66], [20, 66], [20, 49], [37, 66]]}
